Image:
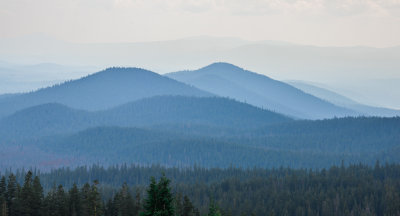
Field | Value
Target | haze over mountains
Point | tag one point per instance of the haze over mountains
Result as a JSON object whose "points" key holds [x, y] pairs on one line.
{"points": [[106, 89], [217, 116], [227, 80], [116, 86], [360, 72], [49, 119], [17, 78], [343, 101]]}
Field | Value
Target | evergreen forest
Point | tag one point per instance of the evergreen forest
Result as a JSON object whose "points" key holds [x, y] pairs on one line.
{"points": [[134, 190]]}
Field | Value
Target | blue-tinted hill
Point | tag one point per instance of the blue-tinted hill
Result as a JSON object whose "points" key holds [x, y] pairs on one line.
{"points": [[227, 80], [343, 101], [209, 111], [102, 90], [44, 119], [213, 112], [170, 130], [300, 144]]}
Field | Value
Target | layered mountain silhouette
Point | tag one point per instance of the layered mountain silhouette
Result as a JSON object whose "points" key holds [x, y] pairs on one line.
{"points": [[311, 144], [217, 116], [102, 90], [227, 80], [343, 101], [52, 118]]}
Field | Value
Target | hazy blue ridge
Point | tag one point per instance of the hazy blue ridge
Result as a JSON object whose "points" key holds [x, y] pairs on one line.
{"points": [[300, 144], [214, 112], [102, 90], [344, 101], [227, 80]]}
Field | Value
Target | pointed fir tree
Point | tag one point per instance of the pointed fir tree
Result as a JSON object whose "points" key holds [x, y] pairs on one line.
{"points": [[61, 202], [213, 209], [138, 202], [95, 203], [37, 199], [188, 209], [3, 191], [150, 203], [11, 194], [74, 201], [27, 195], [49, 207], [159, 200], [85, 198], [165, 199]]}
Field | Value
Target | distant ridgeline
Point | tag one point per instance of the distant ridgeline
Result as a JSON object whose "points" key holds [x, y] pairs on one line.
{"points": [[217, 116], [131, 190]]}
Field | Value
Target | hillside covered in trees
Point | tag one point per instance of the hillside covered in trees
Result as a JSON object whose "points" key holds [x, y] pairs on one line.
{"points": [[227, 80], [105, 89], [131, 115], [296, 144]]}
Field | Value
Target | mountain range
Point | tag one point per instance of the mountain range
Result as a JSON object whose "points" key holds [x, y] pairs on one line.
{"points": [[102, 90], [52, 118], [343, 101], [351, 70], [218, 116], [227, 80]]}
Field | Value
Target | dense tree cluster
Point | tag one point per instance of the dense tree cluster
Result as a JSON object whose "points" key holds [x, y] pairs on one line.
{"points": [[29, 200], [340, 190]]}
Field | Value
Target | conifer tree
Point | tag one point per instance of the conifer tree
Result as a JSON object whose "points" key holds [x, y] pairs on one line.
{"points": [[17, 204], [150, 205], [138, 203], [11, 194], [188, 209], [37, 199], [61, 202], [3, 186], [178, 205], [213, 209], [27, 195], [49, 207], [85, 197], [159, 200], [3, 190], [74, 201], [95, 203], [165, 197]]}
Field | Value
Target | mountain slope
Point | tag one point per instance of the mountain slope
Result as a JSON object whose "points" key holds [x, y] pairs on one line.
{"points": [[306, 144], [50, 119], [102, 90], [212, 111], [44, 119], [110, 145], [343, 101], [227, 80]]}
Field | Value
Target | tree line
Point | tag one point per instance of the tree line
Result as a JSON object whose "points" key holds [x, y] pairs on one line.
{"points": [[339, 190], [29, 200]]}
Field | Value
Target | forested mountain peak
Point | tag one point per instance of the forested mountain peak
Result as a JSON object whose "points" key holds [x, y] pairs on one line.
{"points": [[202, 110], [44, 110], [228, 80], [52, 118], [124, 71], [220, 69], [102, 90], [222, 66]]}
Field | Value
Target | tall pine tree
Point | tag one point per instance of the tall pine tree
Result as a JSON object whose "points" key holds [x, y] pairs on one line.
{"points": [[159, 201], [37, 199], [3, 200]]}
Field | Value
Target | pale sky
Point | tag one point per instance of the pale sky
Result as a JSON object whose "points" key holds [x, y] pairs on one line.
{"points": [[373, 23]]}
